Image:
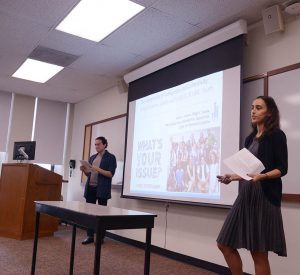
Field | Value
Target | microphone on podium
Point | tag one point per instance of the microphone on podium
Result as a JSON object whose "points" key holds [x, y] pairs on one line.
{"points": [[22, 152]]}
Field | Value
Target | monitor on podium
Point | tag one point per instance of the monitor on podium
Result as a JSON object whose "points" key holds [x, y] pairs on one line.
{"points": [[24, 150]]}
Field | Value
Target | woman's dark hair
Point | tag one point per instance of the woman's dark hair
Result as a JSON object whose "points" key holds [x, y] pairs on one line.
{"points": [[103, 140], [272, 122]]}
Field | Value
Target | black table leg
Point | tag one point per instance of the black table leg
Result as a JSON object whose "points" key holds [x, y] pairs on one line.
{"points": [[36, 236], [147, 251], [99, 233], [72, 249]]}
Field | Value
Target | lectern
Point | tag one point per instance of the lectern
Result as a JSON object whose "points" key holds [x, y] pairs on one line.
{"points": [[21, 185]]}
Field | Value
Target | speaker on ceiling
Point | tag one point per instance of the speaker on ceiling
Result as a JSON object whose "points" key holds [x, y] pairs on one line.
{"points": [[272, 19]]}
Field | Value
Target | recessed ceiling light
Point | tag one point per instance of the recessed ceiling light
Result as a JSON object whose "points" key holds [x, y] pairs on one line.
{"points": [[95, 19], [37, 71]]}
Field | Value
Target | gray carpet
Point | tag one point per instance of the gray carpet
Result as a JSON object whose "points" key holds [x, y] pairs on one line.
{"points": [[54, 252]]}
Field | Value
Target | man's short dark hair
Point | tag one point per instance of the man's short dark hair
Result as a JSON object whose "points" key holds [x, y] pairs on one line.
{"points": [[103, 140]]}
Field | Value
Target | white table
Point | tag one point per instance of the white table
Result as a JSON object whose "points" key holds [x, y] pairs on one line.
{"points": [[98, 218]]}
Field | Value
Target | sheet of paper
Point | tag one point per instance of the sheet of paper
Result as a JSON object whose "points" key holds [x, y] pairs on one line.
{"points": [[244, 162], [87, 165]]}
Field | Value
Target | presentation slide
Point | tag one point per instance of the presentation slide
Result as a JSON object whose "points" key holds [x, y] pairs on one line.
{"points": [[176, 137]]}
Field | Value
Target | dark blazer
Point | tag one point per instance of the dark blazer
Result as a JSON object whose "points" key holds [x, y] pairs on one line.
{"points": [[272, 152], [108, 163]]}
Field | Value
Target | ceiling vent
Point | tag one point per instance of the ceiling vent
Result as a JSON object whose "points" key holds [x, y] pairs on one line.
{"points": [[52, 56]]}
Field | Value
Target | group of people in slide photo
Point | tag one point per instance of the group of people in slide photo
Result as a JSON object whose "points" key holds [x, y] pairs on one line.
{"points": [[194, 162]]}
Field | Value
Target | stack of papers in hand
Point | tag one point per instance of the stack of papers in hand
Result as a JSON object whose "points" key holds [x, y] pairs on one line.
{"points": [[86, 165], [244, 162]]}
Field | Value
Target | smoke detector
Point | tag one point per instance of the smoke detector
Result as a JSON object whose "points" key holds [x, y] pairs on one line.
{"points": [[293, 8]]}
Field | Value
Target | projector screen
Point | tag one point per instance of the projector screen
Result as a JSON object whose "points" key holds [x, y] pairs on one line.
{"points": [[179, 133]]}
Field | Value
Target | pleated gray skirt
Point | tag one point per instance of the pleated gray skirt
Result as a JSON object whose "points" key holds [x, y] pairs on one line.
{"points": [[253, 222]]}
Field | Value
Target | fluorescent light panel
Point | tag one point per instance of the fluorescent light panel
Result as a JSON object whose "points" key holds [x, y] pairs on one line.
{"points": [[95, 19], [37, 71]]}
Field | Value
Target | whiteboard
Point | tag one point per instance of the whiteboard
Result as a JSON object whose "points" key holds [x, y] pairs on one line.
{"points": [[285, 89]]}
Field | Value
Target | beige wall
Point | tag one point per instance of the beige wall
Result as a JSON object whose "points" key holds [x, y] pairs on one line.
{"points": [[192, 230], [105, 105], [21, 121], [265, 53]]}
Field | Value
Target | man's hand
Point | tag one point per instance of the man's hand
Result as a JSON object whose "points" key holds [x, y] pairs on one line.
{"points": [[85, 170], [96, 169]]}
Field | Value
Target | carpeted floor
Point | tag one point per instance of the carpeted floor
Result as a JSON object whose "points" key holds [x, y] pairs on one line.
{"points": [[54, 252]]}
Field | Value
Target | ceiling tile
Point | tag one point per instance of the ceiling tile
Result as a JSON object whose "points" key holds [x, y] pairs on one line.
{"points": [[10, 63], [45, 12], [77, 80], [153, 31], [190, 11], [145, 3], [19, 35], [67, 43], [106, 60]]}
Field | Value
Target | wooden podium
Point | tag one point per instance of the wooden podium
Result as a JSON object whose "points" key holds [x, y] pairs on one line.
{"points": [[21, 185]]}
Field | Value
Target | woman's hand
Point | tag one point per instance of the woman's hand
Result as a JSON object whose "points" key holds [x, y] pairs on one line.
{"points": [[257, 177], [226, 179]]}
